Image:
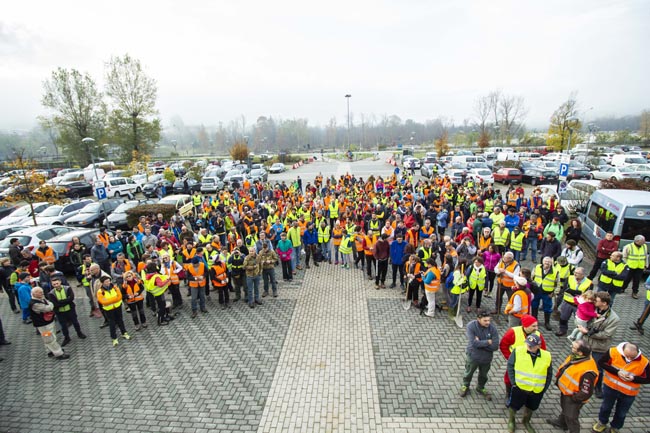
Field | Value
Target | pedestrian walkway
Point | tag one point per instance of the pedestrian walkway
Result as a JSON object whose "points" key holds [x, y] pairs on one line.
{"points": [[325, 379]]}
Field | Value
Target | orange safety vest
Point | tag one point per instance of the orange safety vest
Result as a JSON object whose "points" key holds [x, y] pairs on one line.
{"points": [[369, 245], [104, 239], [524, 303], [127, 265], [484, 243], [220, 271], [188, 254], [636, 367], [503, 278], [414, 269], [358, 242], [169, 271], [47, 256], [195, 273], [434, 285], [569, 381], [337, 236], [413, 238], [136, 291]]}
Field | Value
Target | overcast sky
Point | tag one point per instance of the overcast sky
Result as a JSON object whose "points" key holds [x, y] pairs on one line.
{"points": [[420, 59]]}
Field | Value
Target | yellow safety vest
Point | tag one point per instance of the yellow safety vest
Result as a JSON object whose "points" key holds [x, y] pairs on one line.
{"points": [[501, 237], [323, 234], [461, 287], [345, 247], [573, 285], [563, 271], [528, 376], [150, 285], [516, 242], [611, 266], [636, 257], [520, 337], [61, 296], [334, 209], [547, 282], [477, 280], [196, 200]]}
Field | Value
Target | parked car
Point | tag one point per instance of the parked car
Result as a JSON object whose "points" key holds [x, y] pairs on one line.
{"points": [[117, 219], [93, 214], [211, 184], [578, 173], [278, 167], [410, 162], [259, 174], [186, 186], [183, 203], [30, 237], [58, 214], [119, 186], [6, 231], [642, 169], [149, 188], [538, 176], [6, 210], [428, 169], [456, 176], [618, 173], [76, 189], [507, 175], [481, 175], [62, 245], [22, 212]]}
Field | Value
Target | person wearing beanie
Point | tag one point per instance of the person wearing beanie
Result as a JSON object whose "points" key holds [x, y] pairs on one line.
{"points": [[518, 304], [530, 372], [515, 337]]}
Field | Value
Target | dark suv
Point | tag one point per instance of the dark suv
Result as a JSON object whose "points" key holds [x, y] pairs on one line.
{"points": [[94, 214], [62, 244]]}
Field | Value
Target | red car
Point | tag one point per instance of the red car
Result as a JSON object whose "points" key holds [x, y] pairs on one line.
{"points": [[507, 175]]}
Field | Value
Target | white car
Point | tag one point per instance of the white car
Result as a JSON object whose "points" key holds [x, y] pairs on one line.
{"points": [[411, 162], [481, 175], [57, 214], [30, 237], [278, 167], [617, 173], [642, 169], [23, 212]]}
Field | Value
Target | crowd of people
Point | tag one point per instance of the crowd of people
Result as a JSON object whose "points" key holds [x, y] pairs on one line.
{"points": [[439, 240]]}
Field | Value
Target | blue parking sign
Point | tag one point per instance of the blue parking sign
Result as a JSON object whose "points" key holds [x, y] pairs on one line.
{"points": [[100, 193], [564, 170]]}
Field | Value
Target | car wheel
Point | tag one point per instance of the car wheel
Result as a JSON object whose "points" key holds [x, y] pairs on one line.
{"points": [[646, 179], [590, 177], [138, 190], [533, 182], [613, 178], [117, 194], [96, 224]]}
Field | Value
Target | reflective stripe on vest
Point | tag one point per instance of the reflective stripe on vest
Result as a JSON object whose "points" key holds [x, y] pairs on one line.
{"points": [[334, 209], [569, 382], [195, 273], [501, 236], [504, 279], [618, 268], [528, 376], [548, 281], [636, 367], [434, 285], [61, 296], [573, 285], [516, 242], [111, 295], [477, 280], [345, 247], [323, 234], [636, 257]]}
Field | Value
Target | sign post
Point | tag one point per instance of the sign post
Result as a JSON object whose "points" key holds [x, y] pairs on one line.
{"points": [[564, 172]]}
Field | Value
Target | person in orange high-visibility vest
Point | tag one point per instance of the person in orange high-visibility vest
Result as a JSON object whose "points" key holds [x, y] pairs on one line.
{"points": [[172, 268], [197, 280], [625, 369], [414, 278], [219, 278], [576, 379], [518, 304], [135, 298], [431, 280], [506, 270], [45, 253], [369, 242]]}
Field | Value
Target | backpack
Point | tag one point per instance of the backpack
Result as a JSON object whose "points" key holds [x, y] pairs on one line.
{"points": [[449, 281]]}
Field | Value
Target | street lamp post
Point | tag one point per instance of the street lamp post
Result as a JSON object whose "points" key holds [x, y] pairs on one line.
{"points": [[347, 97]]}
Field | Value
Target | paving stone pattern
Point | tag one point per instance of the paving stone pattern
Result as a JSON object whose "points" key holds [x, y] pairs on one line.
{"points": [[211, 373]]}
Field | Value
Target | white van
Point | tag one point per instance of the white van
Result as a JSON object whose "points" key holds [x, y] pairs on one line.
{"points": [[507, 156], [464, 159], [626, 213], [529, 155], [623, 160], [118, 186], [577, 194]]}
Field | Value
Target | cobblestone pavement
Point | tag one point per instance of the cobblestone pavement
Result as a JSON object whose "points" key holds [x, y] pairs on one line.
{"points": [[331, 354], [211, 373]]}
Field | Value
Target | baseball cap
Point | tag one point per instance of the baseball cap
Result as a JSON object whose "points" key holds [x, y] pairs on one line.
{"points": [[533, 340]]}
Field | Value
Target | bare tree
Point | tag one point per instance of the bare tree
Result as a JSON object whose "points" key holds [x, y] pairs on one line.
{"points": [[512, 111]]}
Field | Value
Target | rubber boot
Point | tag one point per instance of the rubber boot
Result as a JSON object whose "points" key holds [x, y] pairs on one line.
{"points": [[512, 423], [528, 414], [547, 321]]}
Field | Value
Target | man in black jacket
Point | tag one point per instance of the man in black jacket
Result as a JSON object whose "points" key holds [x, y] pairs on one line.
{"points": [[482, 342], [64, 307], [550, 247], [41, 312]]}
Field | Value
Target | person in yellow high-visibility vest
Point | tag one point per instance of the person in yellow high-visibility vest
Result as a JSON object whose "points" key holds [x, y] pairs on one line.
{"points": [[635, 256], [110, 298], [530, 373]]}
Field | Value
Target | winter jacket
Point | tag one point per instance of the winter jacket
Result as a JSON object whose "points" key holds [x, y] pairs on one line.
{"points": [[114, 248], [480, 351], [24, 292], [601, 331], [397, 252], [490, 260], [310, 237]]}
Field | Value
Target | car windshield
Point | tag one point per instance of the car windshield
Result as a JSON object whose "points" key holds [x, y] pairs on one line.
{"points": [[484, 172], [24, 240], [23, 211], [51, 211], [125, 206], [207, 180], [548, 173], [256, 172], [92, 208], [624, 170]]}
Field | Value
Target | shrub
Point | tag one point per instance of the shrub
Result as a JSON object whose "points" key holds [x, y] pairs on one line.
{"points": [[635, 184], [134, 214]]}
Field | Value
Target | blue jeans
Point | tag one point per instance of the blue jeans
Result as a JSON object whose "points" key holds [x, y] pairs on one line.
{"points": [[295, 256], [198, 298], [623, 404], [325, 250], [547, 302], [532, 244], [253, 286], [599, 383], [517, 254]]}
